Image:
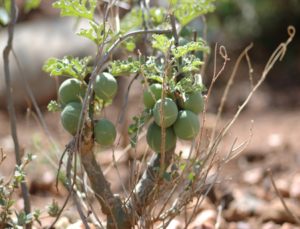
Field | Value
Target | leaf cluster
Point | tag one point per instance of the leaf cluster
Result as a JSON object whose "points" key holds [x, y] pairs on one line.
{"points": [[76, 8], [8, 217], [187, 10], [68, 66]]}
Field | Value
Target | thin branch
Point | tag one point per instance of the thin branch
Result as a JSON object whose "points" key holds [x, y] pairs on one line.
{"points": [[60, 211], [277, 55], [296, 218], [228, 86], [10, 104]]}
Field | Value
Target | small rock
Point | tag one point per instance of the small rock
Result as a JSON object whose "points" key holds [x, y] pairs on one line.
{"points": [[175, 224], [80, 225], [245, 204], [205, 219], [205, 205], [270, 225], [275, 140], [289, 226], [243, 225], [62, 223], [239, 225], [276, 212], [42, 182], [295, 187], [253, 176], [283, 187]]}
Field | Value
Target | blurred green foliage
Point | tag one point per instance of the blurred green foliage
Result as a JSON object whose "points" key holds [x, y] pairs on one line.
{"points": [[251, 19], [237, 23]]}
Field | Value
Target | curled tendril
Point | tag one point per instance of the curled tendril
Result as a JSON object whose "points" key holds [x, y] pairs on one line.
{"points": [[223, 52]]}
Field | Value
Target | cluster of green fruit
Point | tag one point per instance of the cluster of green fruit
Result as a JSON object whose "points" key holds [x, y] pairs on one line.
{"points": [[177, 114], [71, 94]]}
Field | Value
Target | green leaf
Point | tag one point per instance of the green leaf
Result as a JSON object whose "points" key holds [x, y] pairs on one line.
{"points": [[191, 65], [36, 215], [129, 44], [31, 5], [167, 176], [191, 176], [19, 176], [153, 69], [4, 17], [138, 123], [53, 106], [158, 15], [76, 8], [124, 67], [68, 66], [161, 42], [22, 218], [132, 20], [53, 209], [192, 46], [190, 83], [7, 5], [95, 33], [187, 10]]}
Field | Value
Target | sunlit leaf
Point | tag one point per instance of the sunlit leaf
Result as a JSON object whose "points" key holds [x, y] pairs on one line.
{"points": [[4, 16], [95, 33], [68, 66], [187, 10], [191, 65], [190, 83], [76, 8], [192, 46], [124, 67], [161, 42], [53, 106], [31, 5]]}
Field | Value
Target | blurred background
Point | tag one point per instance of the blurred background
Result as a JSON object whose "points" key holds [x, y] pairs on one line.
{"points": [[40, 34]]}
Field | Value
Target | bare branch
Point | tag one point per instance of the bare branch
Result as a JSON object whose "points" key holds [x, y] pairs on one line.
{"points": [[296, 218], [10, 104]]}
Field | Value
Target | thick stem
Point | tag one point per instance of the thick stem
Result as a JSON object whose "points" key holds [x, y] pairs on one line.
{"points": [[111, 205]]}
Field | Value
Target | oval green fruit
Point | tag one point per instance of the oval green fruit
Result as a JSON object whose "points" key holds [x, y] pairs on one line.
{"points": [[105, 132], [193, 102], [106, 86], [187, 125], [152, 94], [71, 90], [154, 139], [170, 112], [70, 117]]}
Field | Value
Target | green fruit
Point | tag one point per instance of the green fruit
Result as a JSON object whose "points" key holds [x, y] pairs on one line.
{"points": [[182, 41], [152, 94], [71, 90], [170, 112], [154, 139], [105, 132], [193, 102], [187, 125], [70, 117], [106, 86]]}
